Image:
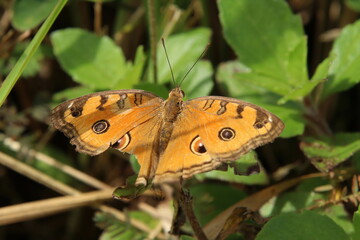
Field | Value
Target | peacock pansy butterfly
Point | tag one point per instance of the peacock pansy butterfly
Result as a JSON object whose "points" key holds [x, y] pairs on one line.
{"points": [[172, 139]]}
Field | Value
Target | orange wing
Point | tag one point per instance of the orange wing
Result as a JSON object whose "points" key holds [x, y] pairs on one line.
{"points": [[97, 121], [211, 130]]}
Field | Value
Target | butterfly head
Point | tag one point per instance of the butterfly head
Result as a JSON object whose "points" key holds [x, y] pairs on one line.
{"points": [[177, 93], [173, 104]]}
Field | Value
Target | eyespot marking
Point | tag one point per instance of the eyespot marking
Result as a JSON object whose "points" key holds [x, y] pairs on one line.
{"points": [[75, 112], [226, 134], [123, 142], [197, 146], [100, 126]]}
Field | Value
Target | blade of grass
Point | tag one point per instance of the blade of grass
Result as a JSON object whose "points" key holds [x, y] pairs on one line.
{"points": [[29, 52]]}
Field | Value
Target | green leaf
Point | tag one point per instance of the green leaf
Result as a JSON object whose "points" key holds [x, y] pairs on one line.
{"points": [[247, 164], [229, 75], [356, 222], [356, 161], [93, 61], [71, 93], [306, 225], [134, 164], [340, 216], [116, 230], [34, 64], [247, 160], [185, 237], [299, 93], [344, 71], [132, 71], [289, 202], [326, 153], [183, 50], [145, 218], [210, 199], [320, 76], [322, 70], [130, 191], [27, 14], [269, 40], [199, 81], [157, 89], [353, 4]]}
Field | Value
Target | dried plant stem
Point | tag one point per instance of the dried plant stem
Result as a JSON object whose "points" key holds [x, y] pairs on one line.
{"points": [[176, 14], [27, 211], [41, 208], [16, 146], [352, 197], [131, 23], [36, 175]]}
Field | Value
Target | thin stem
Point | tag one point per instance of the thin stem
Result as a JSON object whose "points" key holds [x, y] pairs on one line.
{"points": [[29, 52], [79, 175], [42, 208], [98, 17], [186, 204], [153, 36]]}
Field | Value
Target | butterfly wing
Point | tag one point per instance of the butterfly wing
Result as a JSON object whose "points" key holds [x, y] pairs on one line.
{"points": [[213, 130], [97, 121]]}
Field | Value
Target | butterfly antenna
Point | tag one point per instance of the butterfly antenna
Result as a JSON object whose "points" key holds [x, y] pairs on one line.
{"points": [[167, 58], [201, 55]]}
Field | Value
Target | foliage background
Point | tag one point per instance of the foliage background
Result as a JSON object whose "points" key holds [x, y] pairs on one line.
{"points": [[298, 59]]}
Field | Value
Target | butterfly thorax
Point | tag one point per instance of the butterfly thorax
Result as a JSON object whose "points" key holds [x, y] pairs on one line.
{"points": [[172, 108], [173, 105]]}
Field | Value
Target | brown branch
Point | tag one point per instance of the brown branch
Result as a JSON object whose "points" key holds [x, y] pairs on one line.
{"points": [[186, 204], [329, 203]]}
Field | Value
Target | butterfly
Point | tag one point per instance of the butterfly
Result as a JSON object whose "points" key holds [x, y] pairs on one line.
{"points": [[172, 139]]}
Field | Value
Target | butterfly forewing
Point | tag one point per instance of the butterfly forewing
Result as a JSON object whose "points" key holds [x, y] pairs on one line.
{"points": [[96, 121]]}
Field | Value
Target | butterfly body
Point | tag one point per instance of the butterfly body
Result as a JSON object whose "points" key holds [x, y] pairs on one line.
{"points": [[172, 138]]}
